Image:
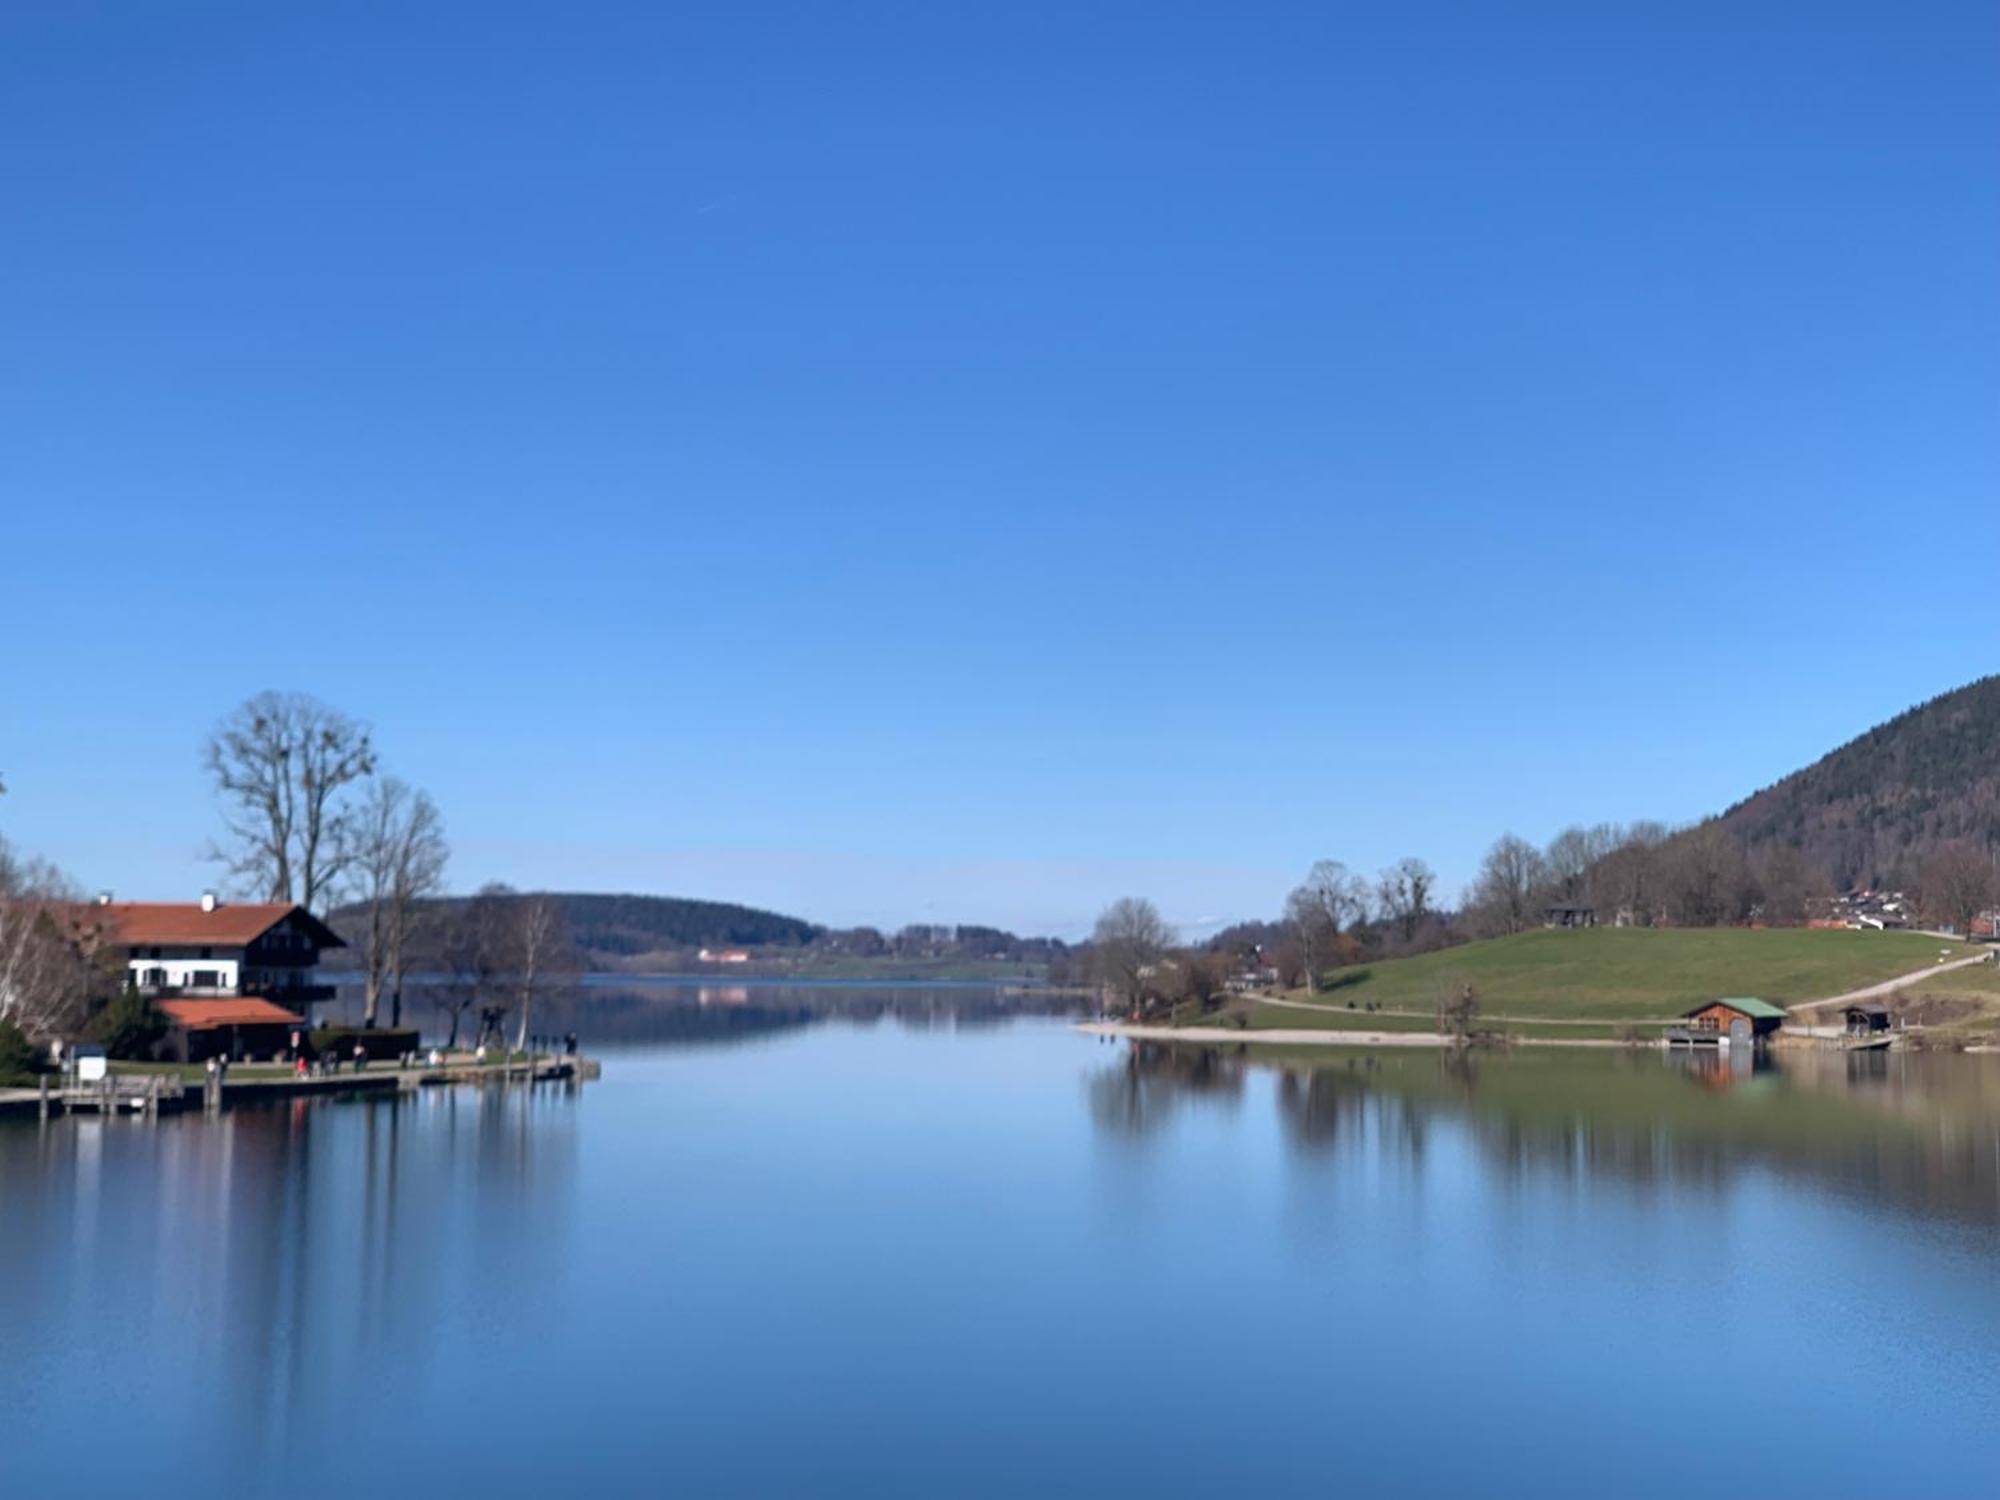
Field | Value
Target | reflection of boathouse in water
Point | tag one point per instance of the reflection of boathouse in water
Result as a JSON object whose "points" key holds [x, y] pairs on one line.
{"points": [[1726, 1023]]}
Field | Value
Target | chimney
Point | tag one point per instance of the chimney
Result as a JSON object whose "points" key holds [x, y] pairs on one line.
{"points": [[104, 898], [208, 901]]}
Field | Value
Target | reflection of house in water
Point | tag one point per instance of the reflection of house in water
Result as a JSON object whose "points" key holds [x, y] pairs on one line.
{"points": [[722, 994], [1720, 1067]]}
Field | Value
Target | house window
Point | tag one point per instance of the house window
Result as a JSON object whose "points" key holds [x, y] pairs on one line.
{"points": [[208, 953]]}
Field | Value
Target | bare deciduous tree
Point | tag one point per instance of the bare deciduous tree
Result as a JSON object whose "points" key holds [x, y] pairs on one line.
{"points": [[1127, 946], [1705, 877], [1509, 877], [1957, 885], [543, 956], [282, 764], [1457, 1007], [1404, 895], [1790, 886], [47, 967], [472, 950], [1319, 908], [400, 855]]}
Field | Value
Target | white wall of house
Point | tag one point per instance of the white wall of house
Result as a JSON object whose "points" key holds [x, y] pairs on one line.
{"points": [[176, 970]]}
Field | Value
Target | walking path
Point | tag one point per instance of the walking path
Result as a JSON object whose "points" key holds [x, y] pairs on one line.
{"points": [[1890, 986]]}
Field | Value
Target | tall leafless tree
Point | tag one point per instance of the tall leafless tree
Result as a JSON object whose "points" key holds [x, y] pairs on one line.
{"points": [[1957, 885], [1404, 895], [1509, 879], [1127, 947], [1327, 901], [1305, 920], [283, 764], [544, 957], [400, 855], [48, 962], [473, 944]]}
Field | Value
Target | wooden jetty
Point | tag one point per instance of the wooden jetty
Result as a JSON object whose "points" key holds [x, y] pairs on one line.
{"points": [[150, 1095]]}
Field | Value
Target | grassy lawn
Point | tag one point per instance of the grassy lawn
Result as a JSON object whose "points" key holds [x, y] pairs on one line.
{"points": [[1619, 974]]}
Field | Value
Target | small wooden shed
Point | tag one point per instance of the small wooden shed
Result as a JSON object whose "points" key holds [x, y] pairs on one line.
{"points": [[1867, 1018]]}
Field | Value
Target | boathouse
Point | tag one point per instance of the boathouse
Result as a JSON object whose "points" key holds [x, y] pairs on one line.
{"points": [[1867, 1018], [1716, 1023]]}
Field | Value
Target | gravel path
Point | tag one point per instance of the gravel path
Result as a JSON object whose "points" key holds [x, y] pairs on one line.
{"points": [[1890, 986]]}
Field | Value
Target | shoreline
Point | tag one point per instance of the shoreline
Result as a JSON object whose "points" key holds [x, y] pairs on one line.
{"points": [[1280, 1037]]}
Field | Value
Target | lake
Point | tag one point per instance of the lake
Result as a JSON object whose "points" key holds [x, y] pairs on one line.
{"points": [[932, 1251]]}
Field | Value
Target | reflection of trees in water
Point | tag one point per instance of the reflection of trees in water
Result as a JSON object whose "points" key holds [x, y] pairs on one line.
{"points": [[1321, 1107], [1920, 1131], [282, 1252], [699, 1012], [1150, 1082]]}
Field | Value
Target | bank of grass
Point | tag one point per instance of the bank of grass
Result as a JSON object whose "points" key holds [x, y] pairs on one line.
{"points": [[1612, 975]]}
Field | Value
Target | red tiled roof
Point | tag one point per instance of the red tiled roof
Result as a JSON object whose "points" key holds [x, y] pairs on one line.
{"points": [[247, 1010], [231, 924]]}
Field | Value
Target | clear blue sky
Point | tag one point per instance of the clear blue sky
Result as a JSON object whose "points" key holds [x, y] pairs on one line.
{"points": [[975, 461]]}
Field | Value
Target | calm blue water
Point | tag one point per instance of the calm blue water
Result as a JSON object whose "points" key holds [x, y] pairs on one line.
{"points": [[1007, 1259]]}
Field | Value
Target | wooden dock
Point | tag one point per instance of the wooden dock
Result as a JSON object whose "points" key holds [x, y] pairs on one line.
{"points": [[149, 1095]]}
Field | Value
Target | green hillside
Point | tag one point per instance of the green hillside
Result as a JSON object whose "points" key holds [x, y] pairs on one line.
{"points": [[1619, 974]]}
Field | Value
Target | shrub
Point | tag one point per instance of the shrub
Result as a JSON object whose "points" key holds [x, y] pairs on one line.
{"points": [[381, 1044], [19, 1057], [130, 1027]]}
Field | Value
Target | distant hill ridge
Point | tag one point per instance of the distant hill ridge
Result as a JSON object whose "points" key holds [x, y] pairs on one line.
{"points": [[1871, 811], [627, 924], [623, 926]]}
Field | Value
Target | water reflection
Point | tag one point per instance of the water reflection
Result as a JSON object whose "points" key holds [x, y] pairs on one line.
{"points": [[265, 1262], [1916, 1131], [611, 1011], [1152, 1080]]}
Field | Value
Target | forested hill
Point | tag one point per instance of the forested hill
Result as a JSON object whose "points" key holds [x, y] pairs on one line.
{"points": [[1871, 811], [609, 928], [625, 925]]}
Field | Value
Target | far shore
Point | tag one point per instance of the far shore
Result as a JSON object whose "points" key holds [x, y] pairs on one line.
{"points": [[1281, 1037]]}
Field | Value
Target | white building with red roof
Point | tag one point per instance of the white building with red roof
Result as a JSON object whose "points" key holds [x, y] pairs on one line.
{"points": [[232, 977]]}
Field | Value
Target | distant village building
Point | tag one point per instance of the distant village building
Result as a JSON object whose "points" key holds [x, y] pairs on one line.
{"points": [[724, 956], [1568, 914], [233, 979]]}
